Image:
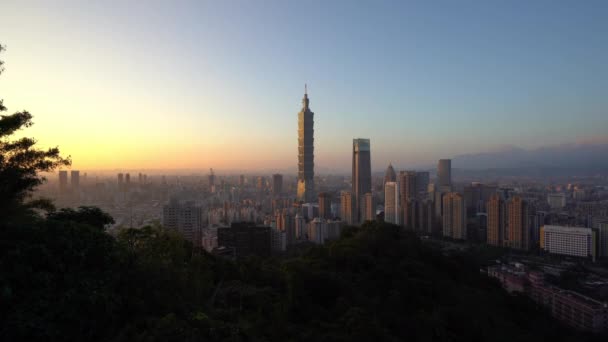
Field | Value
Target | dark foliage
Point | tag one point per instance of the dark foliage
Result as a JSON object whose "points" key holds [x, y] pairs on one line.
{"points": [[68, 280], [92, 216]]}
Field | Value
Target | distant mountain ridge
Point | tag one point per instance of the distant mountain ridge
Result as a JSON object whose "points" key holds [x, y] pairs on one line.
{"points": [[567, 156]]}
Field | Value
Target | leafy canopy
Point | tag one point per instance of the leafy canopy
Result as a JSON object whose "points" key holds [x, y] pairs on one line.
{"points": [[21, 164]]}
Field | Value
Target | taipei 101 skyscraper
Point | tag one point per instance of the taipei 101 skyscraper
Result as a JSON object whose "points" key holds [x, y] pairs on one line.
{"points": [[306, 164]]}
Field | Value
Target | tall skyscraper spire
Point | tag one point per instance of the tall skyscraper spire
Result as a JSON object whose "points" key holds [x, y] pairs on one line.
{"points": [[305, 100], [306, 151]]}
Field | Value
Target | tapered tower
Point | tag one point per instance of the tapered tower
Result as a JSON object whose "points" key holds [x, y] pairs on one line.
{"points": [[306, 164]]}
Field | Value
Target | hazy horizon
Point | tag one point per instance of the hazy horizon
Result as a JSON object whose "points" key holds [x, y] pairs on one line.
{"points": [[128, 85]]}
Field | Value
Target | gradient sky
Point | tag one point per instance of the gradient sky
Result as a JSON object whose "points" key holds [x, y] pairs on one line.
{"points": [[176, 84]]}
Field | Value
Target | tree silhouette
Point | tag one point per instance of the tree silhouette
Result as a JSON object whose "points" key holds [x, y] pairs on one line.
{"points": [[21, 164]]}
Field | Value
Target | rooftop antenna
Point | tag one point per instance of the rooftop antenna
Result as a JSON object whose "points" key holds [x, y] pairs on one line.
{"points": [[305, 89]]}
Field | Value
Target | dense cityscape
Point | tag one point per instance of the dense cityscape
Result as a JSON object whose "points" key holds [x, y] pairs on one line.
{"points": [[550, 224], [442, 175]]}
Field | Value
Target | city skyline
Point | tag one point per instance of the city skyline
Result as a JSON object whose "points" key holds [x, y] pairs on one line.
{"points": [[159, 181], [186, 85]]}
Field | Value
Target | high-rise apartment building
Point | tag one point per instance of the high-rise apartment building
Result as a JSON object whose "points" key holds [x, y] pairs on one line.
{"points": [[362, 174], [391, 203], [347, 207], [454, 223], [186, 218], [277, 184], [518, 230], [63, 181], [325, 206], [306, 166], [75, 180], [368, 207], [444, 172], [496, 220]]}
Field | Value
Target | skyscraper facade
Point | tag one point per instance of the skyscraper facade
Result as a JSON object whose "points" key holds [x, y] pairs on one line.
{"points": [[496, 220], [347, 207], [75, 180], [422, 184], [407, 188], [408, 185], [185, 218], [211, 181], [362, 174], [454, 224], [325, 206], [444, 172], [277, 184], [517, 223], [63, 181], [369, 207], [306, 164], [390, 175], [391, 202]]}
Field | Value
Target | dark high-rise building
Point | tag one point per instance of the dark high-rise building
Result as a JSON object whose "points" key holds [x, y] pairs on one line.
{"points": [[407, 182], [325, 206], [246, 239], [496, 220], [211, 181], [127, 180], [422, 184], [408, 185], [75, 180], [277, 184], [476, 196], [63, 181], [120, 178], [426, 218], [444, 172], [362, 174], [242, 180], [306, 166]]}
